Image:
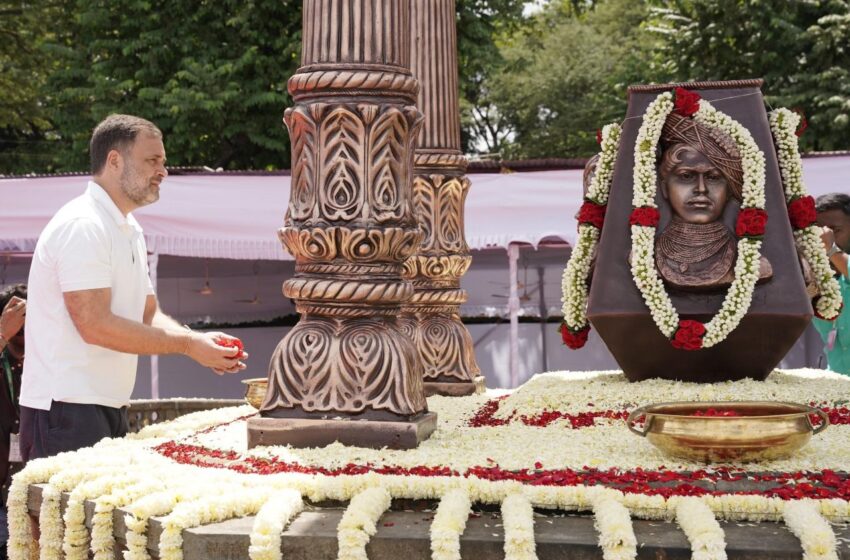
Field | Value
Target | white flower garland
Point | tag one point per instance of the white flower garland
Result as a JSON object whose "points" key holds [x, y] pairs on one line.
{"points": [[518, 521], [646, 277], [359, 522], [279, 510], [235, 502], [814, 532], [783, 125], [614, 525], [575, 279], [449, 524], [708, 542], [120, 472]]}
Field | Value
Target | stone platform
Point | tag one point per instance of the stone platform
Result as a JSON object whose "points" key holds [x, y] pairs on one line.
{"points": [[404, 534]]}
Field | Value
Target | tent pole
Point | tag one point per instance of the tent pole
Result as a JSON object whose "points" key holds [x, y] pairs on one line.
{"points": [[153, 262], [513, 309]]}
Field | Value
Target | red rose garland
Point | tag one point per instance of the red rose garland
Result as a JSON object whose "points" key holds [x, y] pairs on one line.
{"points": [[751, 223], [802, 212], [646, 216], [686, 103], [574, 339], [592, 213], [689, 335]]}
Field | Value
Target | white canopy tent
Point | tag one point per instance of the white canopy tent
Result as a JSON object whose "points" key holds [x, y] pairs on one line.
{"points": [[236, 216]]}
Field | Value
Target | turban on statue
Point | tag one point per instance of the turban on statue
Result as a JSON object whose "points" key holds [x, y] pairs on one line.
{"points": [[711, 142]]}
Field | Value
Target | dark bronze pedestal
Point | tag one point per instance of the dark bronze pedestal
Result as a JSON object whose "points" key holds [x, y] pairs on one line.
{"points": [[780, 309]]}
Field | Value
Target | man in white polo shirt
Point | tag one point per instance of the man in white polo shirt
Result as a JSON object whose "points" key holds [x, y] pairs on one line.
{"points": [[92, 309]]}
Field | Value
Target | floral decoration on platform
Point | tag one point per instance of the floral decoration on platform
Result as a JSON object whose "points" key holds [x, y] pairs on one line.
{"points": [[802, 214], [591, 217], [685, 334], [559, 442]]}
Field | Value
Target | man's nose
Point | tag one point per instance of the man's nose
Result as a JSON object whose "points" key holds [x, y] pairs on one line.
{"points": [[700, 185], [162, 171]]}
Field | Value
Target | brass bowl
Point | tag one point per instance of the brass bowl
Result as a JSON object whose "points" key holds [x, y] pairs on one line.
{"points": [[764, 430], [255, 391]]}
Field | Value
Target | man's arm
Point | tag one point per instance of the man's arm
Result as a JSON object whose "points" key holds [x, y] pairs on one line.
{"points": [[155, 317], [91, 313]]}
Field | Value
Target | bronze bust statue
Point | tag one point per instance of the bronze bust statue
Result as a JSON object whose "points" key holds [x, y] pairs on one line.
{"points": [[700, 170]]}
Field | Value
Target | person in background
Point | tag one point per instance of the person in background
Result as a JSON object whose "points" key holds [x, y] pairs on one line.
{"points": [[91, 307], [14, 308], [833, 212]]}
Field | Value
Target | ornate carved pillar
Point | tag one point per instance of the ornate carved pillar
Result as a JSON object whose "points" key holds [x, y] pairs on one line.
{"points": [[350, 226], [439, 192]]}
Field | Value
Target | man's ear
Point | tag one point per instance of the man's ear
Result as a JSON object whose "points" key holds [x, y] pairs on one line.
{"points": [[114, 160]]}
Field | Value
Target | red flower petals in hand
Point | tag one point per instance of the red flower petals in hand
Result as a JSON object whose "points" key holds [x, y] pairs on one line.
{"points": [[686, 102], [751, 223], [689, 335], [801, 212], [592, 213], [644, 216], [235, 343], [574, 339]]}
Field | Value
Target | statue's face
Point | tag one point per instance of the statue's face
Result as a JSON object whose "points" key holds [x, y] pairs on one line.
{"points": [[696, 189]]}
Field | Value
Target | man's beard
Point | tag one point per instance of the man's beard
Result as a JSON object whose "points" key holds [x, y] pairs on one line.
{"points": [[135, 188]]}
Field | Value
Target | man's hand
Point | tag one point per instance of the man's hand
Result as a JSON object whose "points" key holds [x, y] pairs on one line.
{"points": [[828, 238], [205, 349], [12, 318]]}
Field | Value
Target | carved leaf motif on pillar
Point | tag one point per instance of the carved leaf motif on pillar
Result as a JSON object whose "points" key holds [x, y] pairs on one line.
{"points": [[451, 197], [387, 139], [302, 130], [342, 366], [342, 136]]}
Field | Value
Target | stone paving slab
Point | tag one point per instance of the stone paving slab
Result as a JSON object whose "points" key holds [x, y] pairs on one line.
{"points": [[404, 535]]}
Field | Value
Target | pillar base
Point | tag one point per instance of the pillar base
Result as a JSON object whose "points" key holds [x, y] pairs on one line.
{"points": [[310, 432], [455, 388]]}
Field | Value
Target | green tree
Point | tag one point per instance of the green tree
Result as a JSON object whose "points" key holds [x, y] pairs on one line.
{"points": [[211, 75], [479, 24], [799, 48], [25, 64], [565, 75]]}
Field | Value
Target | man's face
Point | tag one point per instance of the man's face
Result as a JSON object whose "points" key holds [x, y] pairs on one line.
{"points": [[696, 189], [144, 169], [839, 223]]}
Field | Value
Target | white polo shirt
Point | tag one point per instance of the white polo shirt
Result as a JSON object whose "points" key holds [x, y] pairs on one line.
{"points": [[88, 244]]}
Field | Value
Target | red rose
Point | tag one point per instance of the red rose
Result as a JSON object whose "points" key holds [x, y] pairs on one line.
{"points": [[599, 136], [574, 339], [804, 124], [592, 213], [644, 216], [751, 222], [801, 212], [689, 335], [235, 343], [686, 102]]}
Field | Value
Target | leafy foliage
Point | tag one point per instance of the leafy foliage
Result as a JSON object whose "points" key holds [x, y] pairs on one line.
{"points": [[211, 75], [801, 49], [566, 73]]}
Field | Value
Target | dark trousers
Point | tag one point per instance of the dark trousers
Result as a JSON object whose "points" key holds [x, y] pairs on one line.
{"points": [[68, 427]]}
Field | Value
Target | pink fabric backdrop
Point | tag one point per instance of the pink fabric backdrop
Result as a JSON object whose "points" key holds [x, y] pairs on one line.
{"points": [[237, 216]]}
